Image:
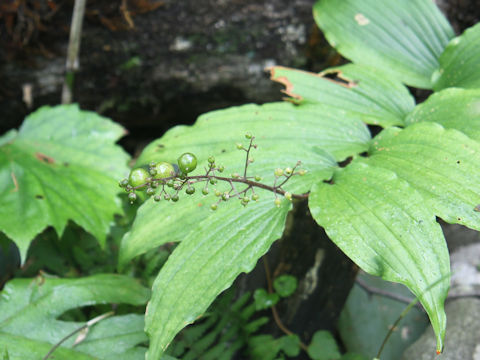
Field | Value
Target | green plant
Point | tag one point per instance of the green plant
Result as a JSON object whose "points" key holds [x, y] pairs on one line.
{"points": [[377, 198]]}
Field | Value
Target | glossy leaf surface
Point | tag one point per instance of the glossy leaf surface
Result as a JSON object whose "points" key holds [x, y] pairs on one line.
{"points": [[460, 62], [206, 263], [30, 307], [402, 38], [383, 224], [61, 165], [437, 162], [453, 109], [285, 134], [360, 92]]}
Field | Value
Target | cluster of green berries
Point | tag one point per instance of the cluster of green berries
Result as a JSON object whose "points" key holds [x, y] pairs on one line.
{"points": [[166, 180]]}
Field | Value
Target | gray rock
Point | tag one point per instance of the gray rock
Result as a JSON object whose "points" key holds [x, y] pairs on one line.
{"points": [[462, 340]]}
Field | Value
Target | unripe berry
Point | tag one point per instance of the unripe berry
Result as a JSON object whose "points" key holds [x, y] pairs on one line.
{"points": [[123, 183], [221, 168], [213, 181], [246, 199], [187, 162], [278, 172], [164, 170], [248, 135], [288, 171], [302, 172], [255, 197], [239, 146], [288, 196], [152, 164], [132, 197], [205, 191], [225, 196], [174, 197], [157, 198], [218, 193], [211, 159], [235, 175], [138, 177], [166, 197], [214, 207], [190, 190], [150, 191], [278, 202], [258, 178]]}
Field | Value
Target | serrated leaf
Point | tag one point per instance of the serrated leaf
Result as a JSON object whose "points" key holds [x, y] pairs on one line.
{"points": [[206, 263], [383, 224], [453, 109], [61, 165], [402, 38], [285, 134], [442, 164], [29, 308], [460, 62], [363, 93]]}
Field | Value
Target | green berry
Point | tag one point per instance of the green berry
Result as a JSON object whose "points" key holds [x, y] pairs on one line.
{"points": [[154, 184], [138, 177], [258, 178], [221, 168], [246, 199], [205, 191], [170, 183], [248, 135], [288, 196], [251, 159], [187, 163], [218, 193], [150, 191], [128, 188], [152, 171], [175, 198], [214, 207], [239, 146], [213, 181], [152, 164], [211, 159], [278, 172], [123, 183], [167, 197], [132, 197], [255, 197], [288, 171], [164, 170], [225, 196], [278, 202], [157, 198], [190, 190], [302, 172], [235, 175]]}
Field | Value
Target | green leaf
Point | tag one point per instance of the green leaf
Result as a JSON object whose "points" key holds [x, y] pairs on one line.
{"points": [[384, 225], [285, 285], [264, 300], [460, 62], [453, 109], [30, 307], [61, 165], [285, 133], [206, 263], [264, 347], [362, 93], [402, 38], [442, 164], [323, 346], [291, 345]]}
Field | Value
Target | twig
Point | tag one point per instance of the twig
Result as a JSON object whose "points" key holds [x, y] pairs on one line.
{"points": [[87, 325], [276, 317], [376, 291], [72, 64]]}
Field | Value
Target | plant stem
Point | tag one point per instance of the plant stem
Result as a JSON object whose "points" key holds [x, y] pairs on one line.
{"points": [[72, 64], [87, 325]]}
